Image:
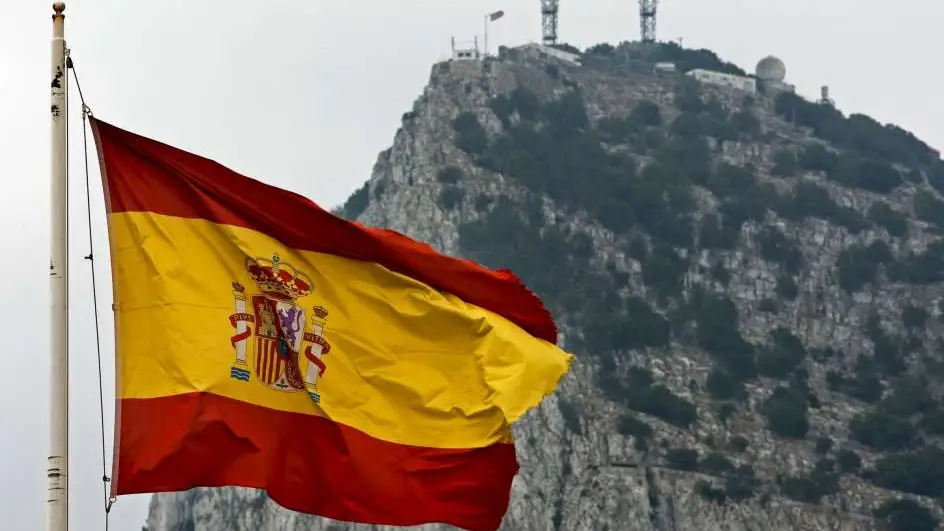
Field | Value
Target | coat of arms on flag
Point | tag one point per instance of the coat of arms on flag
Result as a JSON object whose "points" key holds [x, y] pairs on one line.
{"points": [[278, 324]]}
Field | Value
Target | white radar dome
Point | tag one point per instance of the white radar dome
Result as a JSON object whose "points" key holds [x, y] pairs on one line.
{"points": [[771, 68]]}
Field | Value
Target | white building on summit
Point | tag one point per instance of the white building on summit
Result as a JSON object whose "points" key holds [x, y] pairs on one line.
{"points": [[768, 76], [712, 77], [465, 51]]}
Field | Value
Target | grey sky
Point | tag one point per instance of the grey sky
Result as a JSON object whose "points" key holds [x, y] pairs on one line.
{"points": [[303, 95]]}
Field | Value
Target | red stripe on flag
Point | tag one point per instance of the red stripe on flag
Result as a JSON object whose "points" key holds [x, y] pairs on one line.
{"points": [[144, 175], [307, 463]]}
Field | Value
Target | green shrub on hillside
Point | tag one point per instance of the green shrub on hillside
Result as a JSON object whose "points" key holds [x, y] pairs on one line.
{"points": [[786, 413], [884, 432], [777, 248], [782, 356], [858, 265], [918, 472], [717, 332], [470, 135], [357, 203], [450, 197], [629, 425], [449, 175], [682, 459], [906, 515], [857, 133]]}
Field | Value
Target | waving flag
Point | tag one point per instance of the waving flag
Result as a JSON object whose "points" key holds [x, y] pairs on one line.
{"points": [[263, 342]]}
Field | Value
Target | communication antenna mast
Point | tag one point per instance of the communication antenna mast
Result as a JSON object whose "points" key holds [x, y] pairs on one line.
{"points": [[549, 21], [647, 20], [824, 97]]}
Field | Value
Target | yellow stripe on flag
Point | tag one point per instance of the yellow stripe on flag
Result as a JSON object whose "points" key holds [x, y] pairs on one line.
{"points": [[407, 364]]}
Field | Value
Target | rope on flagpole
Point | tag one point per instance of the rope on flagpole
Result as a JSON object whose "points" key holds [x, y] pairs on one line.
{"points": [[86, 113]]}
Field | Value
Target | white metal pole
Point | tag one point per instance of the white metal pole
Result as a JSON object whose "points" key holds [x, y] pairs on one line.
{"points": [[57, 506], [486, 36]]}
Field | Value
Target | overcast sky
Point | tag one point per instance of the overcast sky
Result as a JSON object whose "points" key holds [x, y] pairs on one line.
{"points": [[303, 95]]}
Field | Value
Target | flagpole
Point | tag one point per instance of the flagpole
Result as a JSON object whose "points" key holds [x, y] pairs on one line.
{"points": [[57, 473], [486, 35]]}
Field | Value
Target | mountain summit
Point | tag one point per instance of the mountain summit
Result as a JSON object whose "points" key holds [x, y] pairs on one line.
{"points": [[753, 284]]}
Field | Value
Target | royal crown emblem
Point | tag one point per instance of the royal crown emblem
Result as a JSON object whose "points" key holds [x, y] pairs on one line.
{"points": [[277, 329]]}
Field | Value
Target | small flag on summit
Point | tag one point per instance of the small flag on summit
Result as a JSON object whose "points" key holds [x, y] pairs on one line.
{"points": [[496, 15]]}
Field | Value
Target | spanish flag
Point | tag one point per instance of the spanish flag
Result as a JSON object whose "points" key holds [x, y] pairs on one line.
{"points": [[263, 342]]}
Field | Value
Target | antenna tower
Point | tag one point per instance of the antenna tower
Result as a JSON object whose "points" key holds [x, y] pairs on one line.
{"points": [[647, 20], [824, 97], [549, 21]]}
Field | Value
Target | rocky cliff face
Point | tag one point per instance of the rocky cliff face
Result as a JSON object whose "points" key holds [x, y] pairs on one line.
{"points": [[752, 284]]}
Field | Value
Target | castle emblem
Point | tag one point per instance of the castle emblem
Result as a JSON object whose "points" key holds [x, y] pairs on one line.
{"points": [[283, 346]]}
